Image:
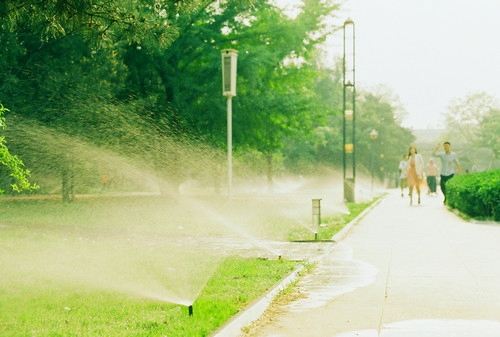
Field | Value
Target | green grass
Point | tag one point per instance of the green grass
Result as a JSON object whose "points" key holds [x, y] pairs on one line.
{"points": [[331, 225], [61, 310], [48, 234], [77, 269]]}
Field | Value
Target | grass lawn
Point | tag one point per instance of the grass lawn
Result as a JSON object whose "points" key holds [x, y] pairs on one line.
{"points": [[331, 225], [42, 309], [77, 269]]}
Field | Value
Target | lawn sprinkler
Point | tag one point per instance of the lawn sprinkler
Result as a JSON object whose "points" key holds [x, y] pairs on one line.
{"points": [[190, 310]]}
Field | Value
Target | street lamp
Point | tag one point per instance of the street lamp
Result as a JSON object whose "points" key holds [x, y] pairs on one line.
{"points": [[349, 111], [229, 59], [373, 136]]}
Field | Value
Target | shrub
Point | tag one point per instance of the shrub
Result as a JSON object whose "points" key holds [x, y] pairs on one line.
{"points": [[477, 194]]}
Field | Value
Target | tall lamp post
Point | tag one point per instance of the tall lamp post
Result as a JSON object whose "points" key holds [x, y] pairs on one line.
{"points": [[349, 109], [373, 137], [229, 59]]}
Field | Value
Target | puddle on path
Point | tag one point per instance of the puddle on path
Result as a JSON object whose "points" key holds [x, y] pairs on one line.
{"points": [[299, 251], [432, 328], [336, 273]]}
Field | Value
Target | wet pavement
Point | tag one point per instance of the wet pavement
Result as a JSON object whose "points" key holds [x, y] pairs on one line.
{"points": [[401, 270]]}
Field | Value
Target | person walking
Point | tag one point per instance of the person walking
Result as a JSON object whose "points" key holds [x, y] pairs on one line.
{"points": [[415, 172], [403, 167], [449, 163], [432, 173]]}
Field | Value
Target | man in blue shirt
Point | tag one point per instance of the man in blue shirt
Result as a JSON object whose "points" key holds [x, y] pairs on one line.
{"points": [[449, 162]]}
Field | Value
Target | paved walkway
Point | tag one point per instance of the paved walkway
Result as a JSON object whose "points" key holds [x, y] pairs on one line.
{"points": [[401, 271]]}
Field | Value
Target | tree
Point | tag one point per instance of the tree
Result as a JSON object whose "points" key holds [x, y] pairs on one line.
{"points": [[278, 100], [322, 146], [472, 122], [126, 77], [54, 84], [464, 115], [378, 112], [63, 69], [277, 77], [489, 126], [100, 21]]}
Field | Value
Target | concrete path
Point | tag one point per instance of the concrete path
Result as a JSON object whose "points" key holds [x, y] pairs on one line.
{"points": [[401, 271]]}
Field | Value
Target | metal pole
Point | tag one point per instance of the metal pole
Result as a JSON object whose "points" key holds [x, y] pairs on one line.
{"points": [[229, 57], [353, 109], [229, 146], [344, 106], [349, 107]]}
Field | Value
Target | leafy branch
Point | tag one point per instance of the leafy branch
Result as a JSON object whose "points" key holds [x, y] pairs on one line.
{"points": [[13, 163]]}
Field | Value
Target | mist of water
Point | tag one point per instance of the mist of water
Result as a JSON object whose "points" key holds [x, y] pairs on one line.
{"points": [[150, 269], [155, 231]]}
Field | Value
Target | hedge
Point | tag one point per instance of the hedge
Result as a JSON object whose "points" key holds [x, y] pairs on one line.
{"points": [[476, 194]]}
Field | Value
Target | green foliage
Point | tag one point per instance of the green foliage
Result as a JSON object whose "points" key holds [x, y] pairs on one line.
{"points": [[472, 124], [276, 78], [13, 163], [489, 135], [464, 115], [101, 21], [129, 76], [376, 112], [476, 194]]}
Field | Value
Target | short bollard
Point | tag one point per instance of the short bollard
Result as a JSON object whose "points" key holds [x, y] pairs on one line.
{"points": [[316, 216]]}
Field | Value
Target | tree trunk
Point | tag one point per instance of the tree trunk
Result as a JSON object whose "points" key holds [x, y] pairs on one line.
{"points": [[68, 192], [269, 171]]}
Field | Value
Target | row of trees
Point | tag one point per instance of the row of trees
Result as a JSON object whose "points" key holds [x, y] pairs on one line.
{"points": [[89, 81], [474, 121]]}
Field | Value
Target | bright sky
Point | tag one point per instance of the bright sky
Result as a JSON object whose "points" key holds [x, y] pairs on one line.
{"points": [[429, 52]]}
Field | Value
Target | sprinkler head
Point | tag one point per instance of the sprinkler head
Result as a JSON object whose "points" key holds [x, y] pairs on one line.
{"points": [[316, 236], [190, 310], [279, 257]]}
